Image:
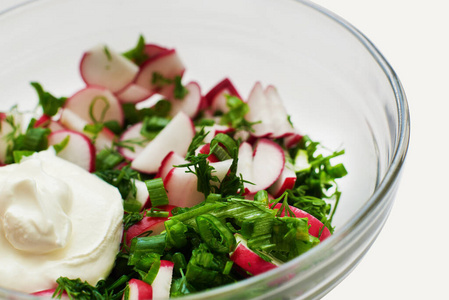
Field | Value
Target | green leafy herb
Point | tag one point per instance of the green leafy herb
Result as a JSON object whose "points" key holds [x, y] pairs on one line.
{"points": [[137, 54], [235, 117], [180, 91], [152, 126], [49, 103]]}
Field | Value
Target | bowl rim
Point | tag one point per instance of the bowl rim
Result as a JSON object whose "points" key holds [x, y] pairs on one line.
{"points": [[382, 189]]}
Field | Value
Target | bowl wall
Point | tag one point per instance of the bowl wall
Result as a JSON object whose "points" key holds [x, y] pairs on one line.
{"points": [[336, 86]]}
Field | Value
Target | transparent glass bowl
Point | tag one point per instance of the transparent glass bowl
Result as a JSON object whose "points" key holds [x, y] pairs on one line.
{"points": [[336, 85]]}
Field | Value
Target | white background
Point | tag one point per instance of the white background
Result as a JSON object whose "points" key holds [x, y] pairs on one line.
{"points": [[410, 259]]}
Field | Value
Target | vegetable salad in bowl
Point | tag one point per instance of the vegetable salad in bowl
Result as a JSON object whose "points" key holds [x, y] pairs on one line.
{"points": [[144, 186]]}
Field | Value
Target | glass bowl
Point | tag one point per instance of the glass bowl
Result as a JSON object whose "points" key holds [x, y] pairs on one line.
{"points": [[338, 88]]}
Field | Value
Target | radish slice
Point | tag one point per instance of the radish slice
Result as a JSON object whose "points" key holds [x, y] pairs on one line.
{"points": [[139, 290], [262, 167], [286, 181], [190, 105], [43, 121], [55, 126], [248, 260], [134, 139], [153, 50], [267, 107], [79, 150], [72, 121], [162, 283], [147, 224], [182, 188], [292, 140], [176, 137], [172, 159], [142, 195], [188, 195], [315, 225], [216, 99], [205, 149], [214, 130], [98, 100], [104, 67], [167, 64], [133, 93]]}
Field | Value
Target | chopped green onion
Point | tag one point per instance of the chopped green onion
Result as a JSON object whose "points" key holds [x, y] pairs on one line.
{"points": [[215, 234], [157, 192], [19, 154], [60, 146]]}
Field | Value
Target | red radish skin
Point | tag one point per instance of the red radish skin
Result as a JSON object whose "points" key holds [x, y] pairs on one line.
{"points": [[153, 50], [315, 225], [261, 166], [249, 260], [176, 137], [106, 107], [286, 181], [72, 121], [214, 130], [190, 104], [132, 134], [49, 294], [172, 159], [167, 64], [188, 195], [79, 149], [154, 224], [215, 99], [101, 66], [43, 121], [133, 93], [205, 149], [162, 283], [292, 140], [266, 105], [139, 290]]}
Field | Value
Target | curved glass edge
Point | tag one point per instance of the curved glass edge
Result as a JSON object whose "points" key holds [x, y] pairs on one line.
{"points": [[16, 5]]}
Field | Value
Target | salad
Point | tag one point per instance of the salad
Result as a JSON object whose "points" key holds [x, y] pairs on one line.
{"points": [[215, 187]]}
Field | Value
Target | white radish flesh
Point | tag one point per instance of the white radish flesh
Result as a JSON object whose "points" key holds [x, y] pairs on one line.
{"points": [[176, 137], [139, 290], [132, 138], [262, 167], [182, 188], [249, 260], [216, 97], [190, 104], [133, 93], [96, 104], [72, 121], [167, 64], [79, 149], [104, 67], [162, 283]]}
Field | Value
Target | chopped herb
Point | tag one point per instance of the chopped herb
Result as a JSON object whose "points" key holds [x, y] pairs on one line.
{"points": [[137, 54], [49, 103]]}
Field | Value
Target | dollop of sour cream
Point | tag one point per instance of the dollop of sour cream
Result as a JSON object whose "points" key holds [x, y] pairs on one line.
{"points": [[56, 219]]}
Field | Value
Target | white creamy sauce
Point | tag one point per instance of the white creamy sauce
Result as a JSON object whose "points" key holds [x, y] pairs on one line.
{"points": [[56, 219]]}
